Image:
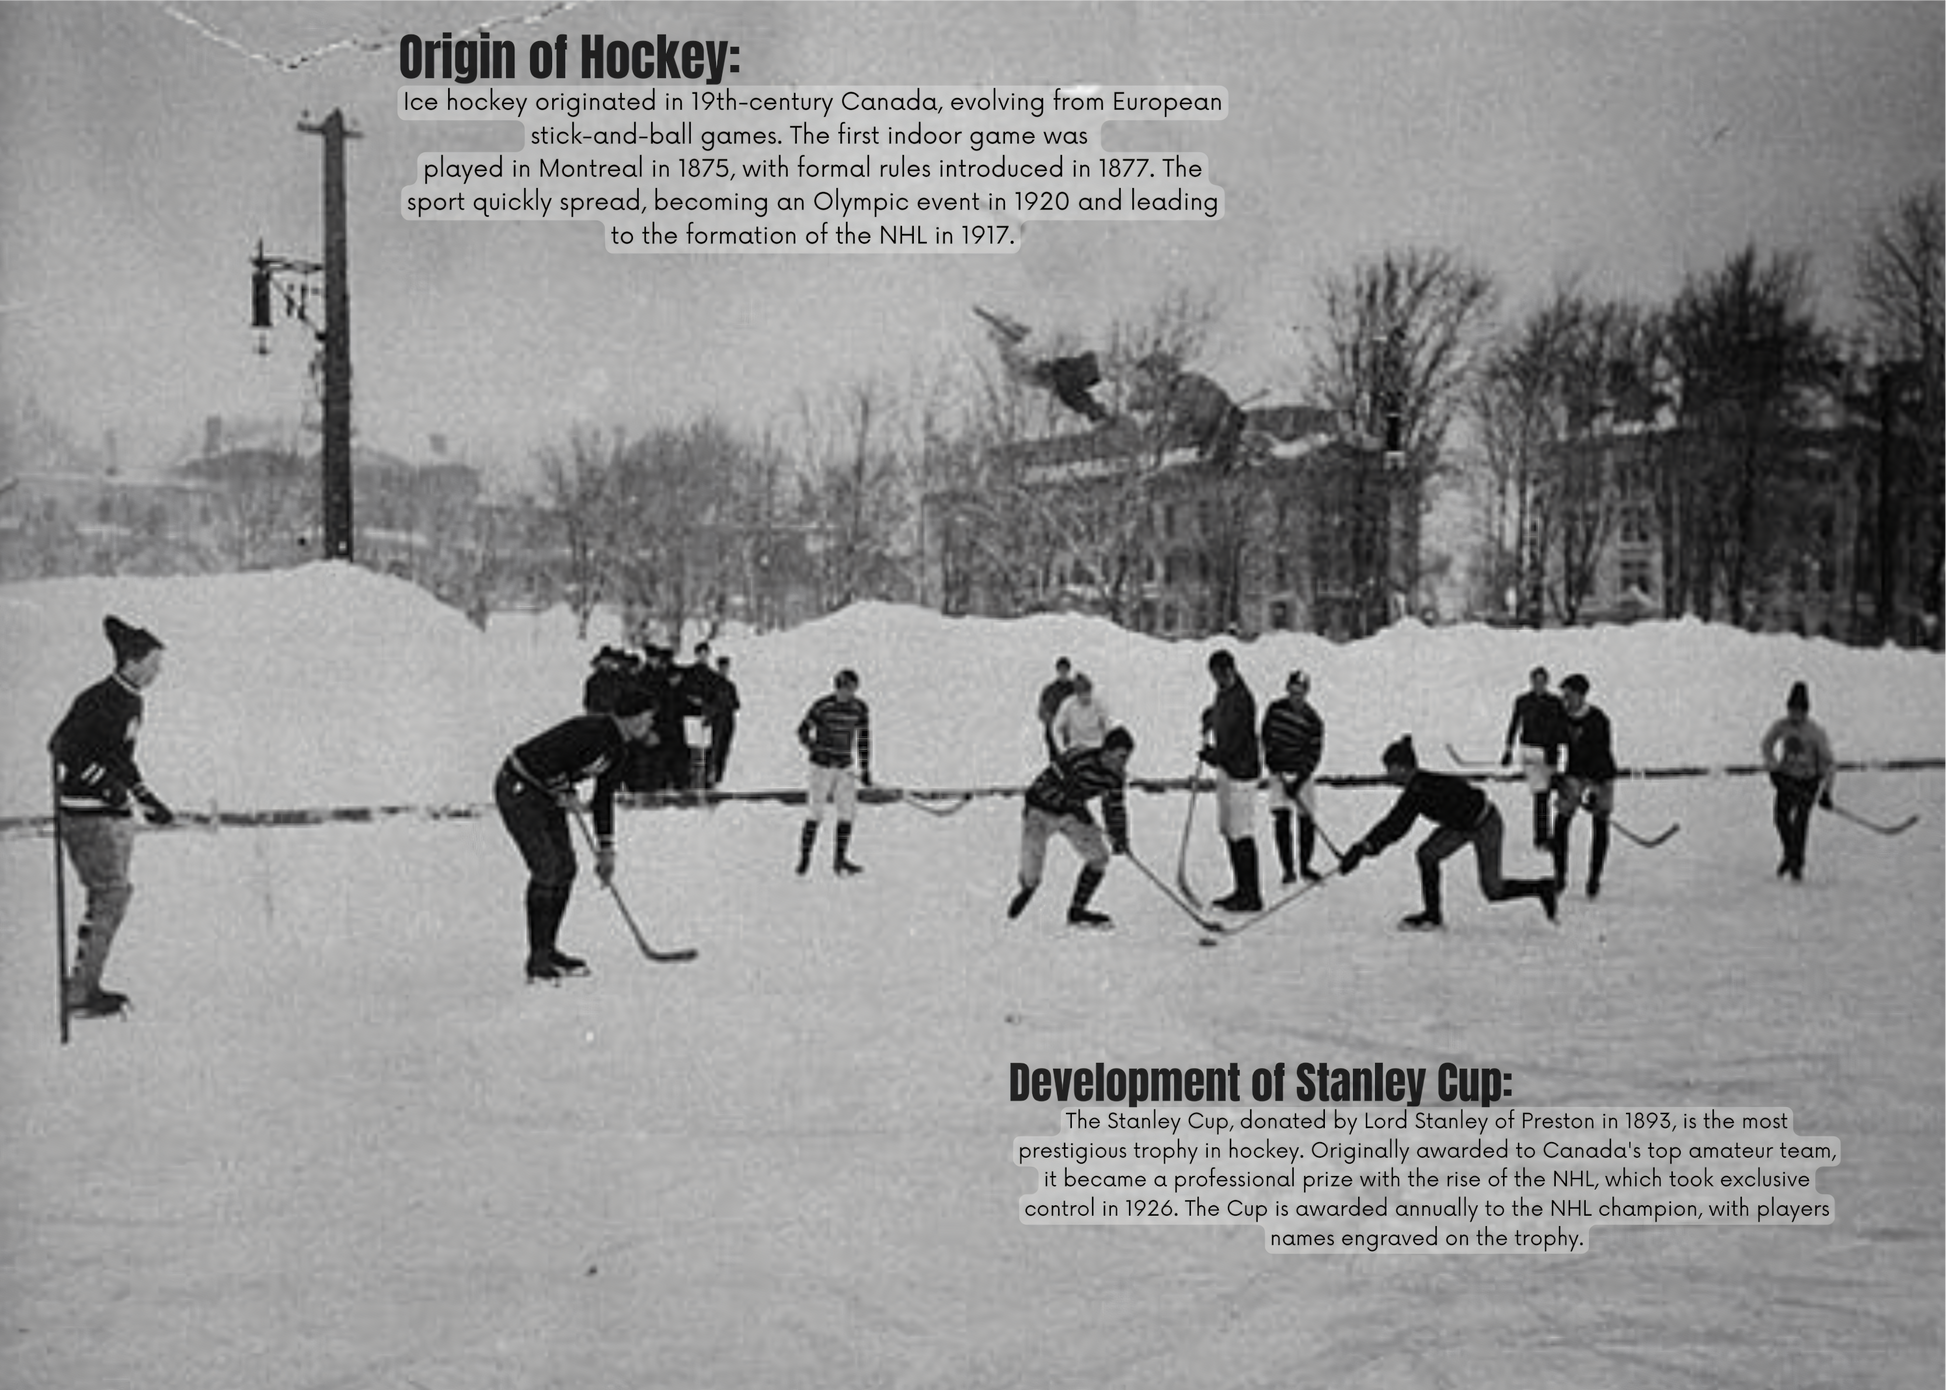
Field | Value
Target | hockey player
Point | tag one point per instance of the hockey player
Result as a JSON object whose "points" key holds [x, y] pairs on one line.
{"points": [[1461, 815], [535, 790], [1293, 740], [836, 731], [96, 779], [1053, 695], [1539, 722], [1230, 746], [1083, 720], [1070, 377], [1587, 780], [1797, 755], [1057, 804], [1189, 409]]}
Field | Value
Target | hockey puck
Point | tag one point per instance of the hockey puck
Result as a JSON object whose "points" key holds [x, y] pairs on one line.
{"points": [[1205, 941]]}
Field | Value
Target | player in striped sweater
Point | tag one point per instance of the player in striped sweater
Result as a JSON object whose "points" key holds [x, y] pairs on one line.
{"points": [[1293, 739], [837, 732], [1057, 804]]}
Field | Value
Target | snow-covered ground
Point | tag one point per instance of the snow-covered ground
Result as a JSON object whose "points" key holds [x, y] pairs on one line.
{"points": [[339, 1144]]}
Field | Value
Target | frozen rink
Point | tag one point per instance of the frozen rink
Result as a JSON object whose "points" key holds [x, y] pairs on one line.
{"points": [[340, 1144]]}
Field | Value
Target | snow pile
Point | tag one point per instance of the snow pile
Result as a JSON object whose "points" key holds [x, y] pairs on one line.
{"points": [[330, 685]]}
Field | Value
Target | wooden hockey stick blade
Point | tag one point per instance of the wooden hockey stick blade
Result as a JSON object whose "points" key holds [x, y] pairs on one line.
{"points": [[1269, 909], [953, 804], [1186, 906], [685, 953], [1464, 761], [1646, 841], [1000, 323], [1896, 828]]}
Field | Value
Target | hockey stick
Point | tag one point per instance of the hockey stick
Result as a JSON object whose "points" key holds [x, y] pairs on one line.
{"points": [[1896, 828], [1182, 850], [1268, 910], [1464, 761], [642, 942], [1188, 908], [60, 907], [1645, 841], [917, 801]]}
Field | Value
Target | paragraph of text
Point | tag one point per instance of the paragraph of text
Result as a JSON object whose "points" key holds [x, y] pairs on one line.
{"points": [[813, 169], [1368, 1178]]}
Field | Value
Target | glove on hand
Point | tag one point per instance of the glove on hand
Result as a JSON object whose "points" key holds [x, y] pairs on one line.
{"points": [[605, 863], [153, 809], [1824, 800]]}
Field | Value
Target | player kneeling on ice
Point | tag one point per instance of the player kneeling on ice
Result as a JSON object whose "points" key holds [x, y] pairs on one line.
{"points": [[535, 791], [1462, 815], [1057, 804]]}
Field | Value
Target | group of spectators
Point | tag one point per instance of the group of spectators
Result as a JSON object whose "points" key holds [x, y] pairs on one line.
{"points": [[695, 714]]}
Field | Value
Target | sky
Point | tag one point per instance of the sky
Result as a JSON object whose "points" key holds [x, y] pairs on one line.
{"points": [[148, 147], [339, 1143]]}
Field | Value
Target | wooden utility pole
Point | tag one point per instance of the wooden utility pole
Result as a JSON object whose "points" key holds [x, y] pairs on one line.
{"points": [[336, 341]]}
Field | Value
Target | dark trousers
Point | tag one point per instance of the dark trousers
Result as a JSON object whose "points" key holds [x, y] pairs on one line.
{"points": [[1486, 839], [1791, 814], [539, 828]]}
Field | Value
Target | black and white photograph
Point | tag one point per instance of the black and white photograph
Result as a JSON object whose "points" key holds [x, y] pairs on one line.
{"points": [[619, 798]]}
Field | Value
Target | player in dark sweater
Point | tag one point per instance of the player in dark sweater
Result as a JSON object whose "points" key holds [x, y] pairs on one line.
{"points": [[1230, 747], [1539, 724], [1057, 804], [96, 779], [1587, 781], [1461, 815], [535, 789]]}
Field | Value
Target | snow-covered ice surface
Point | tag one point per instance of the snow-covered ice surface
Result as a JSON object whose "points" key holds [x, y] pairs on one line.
{"points": [[339, 1144]]}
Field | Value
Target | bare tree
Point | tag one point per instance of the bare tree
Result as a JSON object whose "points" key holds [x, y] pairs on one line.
{"points": [[576, 484], [1744, 344], [1900, 282], [1396, 351]]}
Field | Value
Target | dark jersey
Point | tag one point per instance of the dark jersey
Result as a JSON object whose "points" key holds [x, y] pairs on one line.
{"points": [[1293, 738], [1539, 720], [1450, 802], [1591, 752], [1232, 726], [588, 745], [1053, 694], [837, 730], [94, 745], [1075, 778]]}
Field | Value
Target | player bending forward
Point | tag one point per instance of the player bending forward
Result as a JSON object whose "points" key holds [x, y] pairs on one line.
{"points": [[1057, 804]]}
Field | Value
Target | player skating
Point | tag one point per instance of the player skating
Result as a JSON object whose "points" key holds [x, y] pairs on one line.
{"points": [[536, 789], [837, 732], [1057, 804], [1083, 720], [1587, 781], [1069, 376], [1293, 744], [1797, 755], [1462, 815], [1230, 747], [1539, 725], [97, 785]]}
